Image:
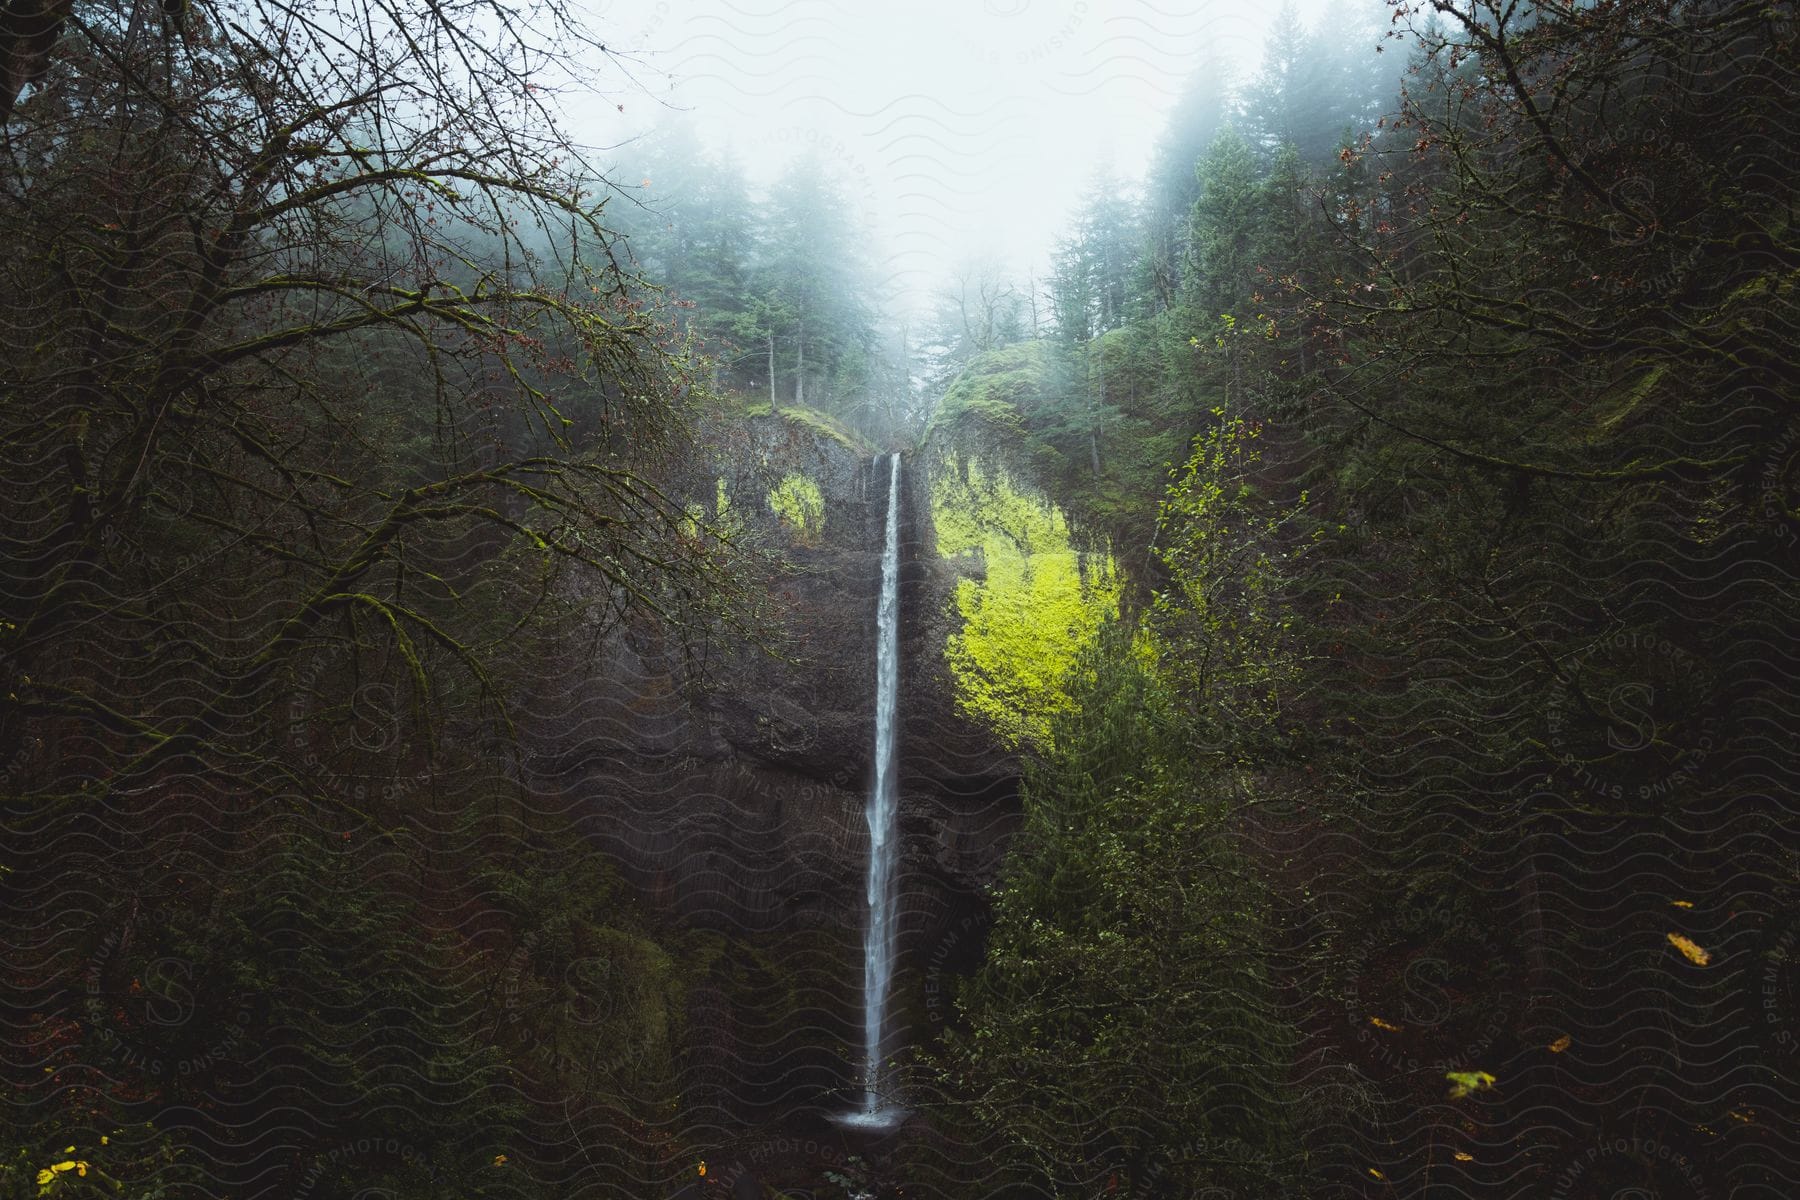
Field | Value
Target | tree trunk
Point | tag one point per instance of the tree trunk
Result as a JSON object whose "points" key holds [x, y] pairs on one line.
{"points": [[774, 406], [1094, 410], [800, 368]]}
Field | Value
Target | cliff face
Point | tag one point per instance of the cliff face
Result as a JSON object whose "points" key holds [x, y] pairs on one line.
{"points": [[740, 810]]}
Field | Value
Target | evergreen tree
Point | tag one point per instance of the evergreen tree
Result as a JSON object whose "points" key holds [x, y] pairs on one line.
{"points": [[1092, 271], [1094, 266], [1315, 86], [1282, 103], [1172, 186], [1357, 77], [1227, 239], [815, 315], [689, 230], [1227, 225]]}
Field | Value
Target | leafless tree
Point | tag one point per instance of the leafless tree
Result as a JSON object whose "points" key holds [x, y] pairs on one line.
{"points": [[313, 340]]}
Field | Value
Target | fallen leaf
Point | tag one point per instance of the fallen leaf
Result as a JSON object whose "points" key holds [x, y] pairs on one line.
{"points": [[1560, 1044], [1690, 950], [1468, 1082], [1378, 1023], [1461, 1157]]}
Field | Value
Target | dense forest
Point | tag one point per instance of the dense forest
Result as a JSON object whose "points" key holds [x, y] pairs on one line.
{"points": [[1385, 518]]}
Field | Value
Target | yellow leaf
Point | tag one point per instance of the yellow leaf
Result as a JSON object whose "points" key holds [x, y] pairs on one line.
{"points": [[1682, 903], [1560, 1044], [1376, 1174], [1378, 1023], [1461, 1157], [1689, 950], [1748, 1116], [48, 1176], [1467, 1082], [499, 1160]]}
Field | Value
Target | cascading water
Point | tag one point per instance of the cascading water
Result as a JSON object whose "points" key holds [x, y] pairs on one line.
{"points": [[883, 813]]}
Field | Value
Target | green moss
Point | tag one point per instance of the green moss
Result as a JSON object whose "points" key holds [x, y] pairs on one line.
{"points": [[826, 425], [811, 419], [1039, 603], [996, 389], [800, 504]]}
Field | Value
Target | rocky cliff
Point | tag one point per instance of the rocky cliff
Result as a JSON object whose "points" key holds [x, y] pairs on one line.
{"points": [[738, 809]]}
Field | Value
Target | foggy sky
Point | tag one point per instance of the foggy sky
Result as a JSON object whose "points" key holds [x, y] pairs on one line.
{"points": [[959, 126]]}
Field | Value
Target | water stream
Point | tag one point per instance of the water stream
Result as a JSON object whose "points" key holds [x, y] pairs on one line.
{"points": [[883, 813]]}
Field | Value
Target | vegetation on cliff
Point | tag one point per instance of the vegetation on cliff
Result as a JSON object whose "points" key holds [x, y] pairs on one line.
{"points": [[1031, 602]]}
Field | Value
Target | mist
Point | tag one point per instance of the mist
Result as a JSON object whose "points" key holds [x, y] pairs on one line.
{"points": [[958, 129]]}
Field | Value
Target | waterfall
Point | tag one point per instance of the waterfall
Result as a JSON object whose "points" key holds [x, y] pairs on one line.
{"points": [[883, 815]]}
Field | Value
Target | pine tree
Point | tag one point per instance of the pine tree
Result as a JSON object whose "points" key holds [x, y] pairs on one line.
{"points": [[1276, 104], [1173, 185], [1315, 85], [1227, 228], [815, 317]]}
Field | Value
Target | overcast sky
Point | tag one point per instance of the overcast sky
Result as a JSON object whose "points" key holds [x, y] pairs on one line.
{"points": [[958, 125]]}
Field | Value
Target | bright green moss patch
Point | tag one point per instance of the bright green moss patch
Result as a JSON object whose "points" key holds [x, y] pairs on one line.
{"points": [[800, 504], [727, 518], [1040, 600]]}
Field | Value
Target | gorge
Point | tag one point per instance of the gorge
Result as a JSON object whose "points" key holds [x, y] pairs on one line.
{"points": [[1001, 606]]}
